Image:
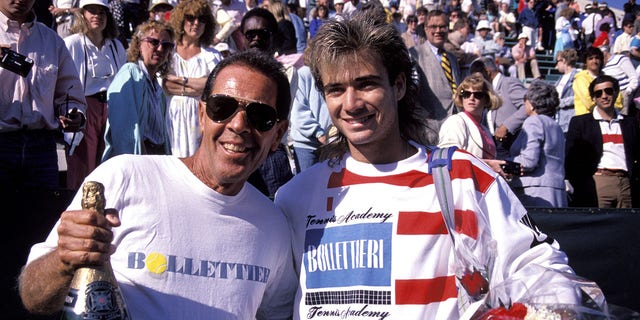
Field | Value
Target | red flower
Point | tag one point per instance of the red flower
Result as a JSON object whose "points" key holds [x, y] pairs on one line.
{"points": [[516, 312], [475, 283]]}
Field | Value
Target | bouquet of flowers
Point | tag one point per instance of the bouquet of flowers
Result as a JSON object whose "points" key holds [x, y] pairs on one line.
{"points": [[551, 295]]}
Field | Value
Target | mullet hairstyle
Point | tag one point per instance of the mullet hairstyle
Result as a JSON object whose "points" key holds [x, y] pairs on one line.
{"points": [[367, 34]]}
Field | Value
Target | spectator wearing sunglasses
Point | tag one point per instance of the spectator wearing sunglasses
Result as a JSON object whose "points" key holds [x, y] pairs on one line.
{"points": [[465, 129], [188, 238], [136, 102], [259, 28], [191, 63], [98, 55], [603, 152]]}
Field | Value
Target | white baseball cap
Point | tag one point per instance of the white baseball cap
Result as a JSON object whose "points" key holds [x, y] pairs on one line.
{"points": [[523, 36], [103, 3], [338, 2], [154, 3], [483, 24]]}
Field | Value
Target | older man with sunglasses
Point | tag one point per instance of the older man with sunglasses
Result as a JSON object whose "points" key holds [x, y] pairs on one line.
{"points": [[188, 238]]}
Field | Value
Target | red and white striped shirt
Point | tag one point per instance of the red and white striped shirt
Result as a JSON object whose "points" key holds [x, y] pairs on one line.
{"points": [[613, 156], [370, 241]]}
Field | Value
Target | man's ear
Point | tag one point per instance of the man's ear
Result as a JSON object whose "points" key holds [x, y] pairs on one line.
{"points": [[281, 128], [202, 115]]}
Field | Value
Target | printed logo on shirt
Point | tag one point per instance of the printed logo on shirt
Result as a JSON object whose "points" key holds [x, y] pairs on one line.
{"points": [[348, 256], [158, 263]]}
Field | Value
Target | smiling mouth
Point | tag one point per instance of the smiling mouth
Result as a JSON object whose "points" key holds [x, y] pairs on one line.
{"points": [[359, 120], [234, 148]]}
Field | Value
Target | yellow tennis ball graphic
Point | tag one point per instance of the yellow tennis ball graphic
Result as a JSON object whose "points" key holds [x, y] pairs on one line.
{"points": [[156, 263]]}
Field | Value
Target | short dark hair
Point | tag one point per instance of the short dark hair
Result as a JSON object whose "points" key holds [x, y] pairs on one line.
{"points": [[263, 13], [543, 97], [266, 65], [593, 51], [602, 79]]}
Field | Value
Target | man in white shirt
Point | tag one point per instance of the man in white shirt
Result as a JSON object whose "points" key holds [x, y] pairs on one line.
{"points": [[35, 106], [623, 41]]}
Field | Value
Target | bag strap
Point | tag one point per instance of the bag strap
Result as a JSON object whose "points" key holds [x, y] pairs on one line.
{"points": [[440, 164]]}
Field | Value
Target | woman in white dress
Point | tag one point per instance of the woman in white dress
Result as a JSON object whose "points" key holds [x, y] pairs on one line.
{"points": [[191, 63]]}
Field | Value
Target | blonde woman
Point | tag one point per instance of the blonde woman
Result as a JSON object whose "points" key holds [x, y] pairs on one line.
{"points": [[137, 104], [464, 129], [285, 40]]}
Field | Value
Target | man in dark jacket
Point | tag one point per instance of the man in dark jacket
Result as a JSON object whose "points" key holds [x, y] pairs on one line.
{"points": [[603, 152]]}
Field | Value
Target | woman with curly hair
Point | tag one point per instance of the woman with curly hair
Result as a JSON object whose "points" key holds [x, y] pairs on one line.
{"points": [[136, 102], [190, 65], [97, 55]]}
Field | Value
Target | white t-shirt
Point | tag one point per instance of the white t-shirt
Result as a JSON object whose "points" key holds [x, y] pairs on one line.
{"points": [[216, 256], [370, 239]]}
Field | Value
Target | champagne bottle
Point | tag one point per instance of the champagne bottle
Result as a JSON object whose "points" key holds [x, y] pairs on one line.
{"points": [[94, 292]]}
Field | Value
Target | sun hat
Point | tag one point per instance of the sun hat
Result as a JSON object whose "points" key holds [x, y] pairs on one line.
{"points": [[483, 24], [84, 3]]}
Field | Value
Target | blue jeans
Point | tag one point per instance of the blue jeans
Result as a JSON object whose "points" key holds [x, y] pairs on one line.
{"points": [[305, 158], [28, 159]]}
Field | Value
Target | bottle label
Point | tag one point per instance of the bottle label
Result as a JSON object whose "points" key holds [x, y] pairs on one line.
{"points": [[102, 303]]}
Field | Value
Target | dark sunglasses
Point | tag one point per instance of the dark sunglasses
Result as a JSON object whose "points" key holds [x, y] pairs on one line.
{"points": [[608, 91], [155, 43], [221, 108], [478, 94], [260, 33], [191, 18]]}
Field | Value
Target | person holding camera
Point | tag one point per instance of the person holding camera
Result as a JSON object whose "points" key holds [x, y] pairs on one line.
{"points": [[40, 93], [539, 149]]}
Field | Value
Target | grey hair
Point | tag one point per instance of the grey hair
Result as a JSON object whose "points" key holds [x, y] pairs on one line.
{"points": [[543, 97]]}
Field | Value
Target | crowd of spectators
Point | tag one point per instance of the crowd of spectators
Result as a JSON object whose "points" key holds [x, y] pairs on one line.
{"points": [[446, 39]]}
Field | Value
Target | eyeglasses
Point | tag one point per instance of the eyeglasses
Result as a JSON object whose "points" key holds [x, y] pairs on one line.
{"points": [[221, 108], [436, 27], [476, 94], [260, 33], [191, 18], [608, 91], [156, 43]]}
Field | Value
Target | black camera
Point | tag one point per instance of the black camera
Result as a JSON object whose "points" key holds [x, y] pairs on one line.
{"points": [[16, 62], [511, 167]]}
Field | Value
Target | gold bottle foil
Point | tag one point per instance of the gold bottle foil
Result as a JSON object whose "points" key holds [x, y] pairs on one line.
{"points": [[94, 291]]}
